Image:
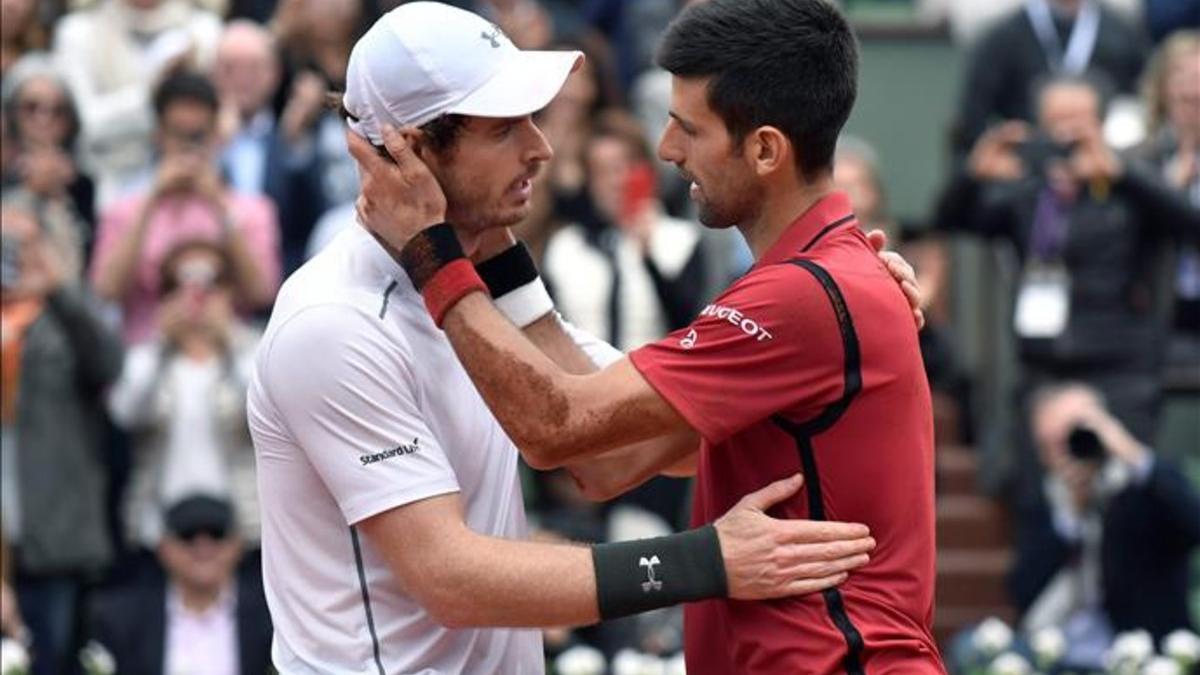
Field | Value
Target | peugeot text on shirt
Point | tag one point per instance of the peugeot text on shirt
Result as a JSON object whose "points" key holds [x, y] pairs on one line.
{"points": [[734, 316]]}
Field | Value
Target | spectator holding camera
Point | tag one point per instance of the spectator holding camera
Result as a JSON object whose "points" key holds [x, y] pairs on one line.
{"points": [[113, 55], [203, 618], [1087, 227], [188, 200], [1043, 38], [182, 397], [58, 356], [45, 175], [1106, 547]]}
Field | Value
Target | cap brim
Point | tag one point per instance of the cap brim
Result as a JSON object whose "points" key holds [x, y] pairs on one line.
{"points": [[525, 84]]}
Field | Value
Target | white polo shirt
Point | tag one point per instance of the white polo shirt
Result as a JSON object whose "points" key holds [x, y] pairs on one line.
{"points": [[358, 405]]}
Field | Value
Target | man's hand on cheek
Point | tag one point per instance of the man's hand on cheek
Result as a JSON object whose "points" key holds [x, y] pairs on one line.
{"points": [[399, 198]]}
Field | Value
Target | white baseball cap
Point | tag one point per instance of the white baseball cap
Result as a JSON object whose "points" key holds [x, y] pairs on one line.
{"points": [[423, 60]]}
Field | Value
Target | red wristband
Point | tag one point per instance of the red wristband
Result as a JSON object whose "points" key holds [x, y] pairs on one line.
{"points": [[449, 285]]}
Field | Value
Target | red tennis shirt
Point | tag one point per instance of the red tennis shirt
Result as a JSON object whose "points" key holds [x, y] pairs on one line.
{"points": [[810, 363]]}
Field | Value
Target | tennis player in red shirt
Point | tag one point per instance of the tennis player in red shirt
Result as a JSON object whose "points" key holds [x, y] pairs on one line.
{"points": [[809, 363]]}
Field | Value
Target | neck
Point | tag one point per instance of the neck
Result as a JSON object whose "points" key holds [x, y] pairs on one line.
{"points": [[1068, 9], [198, 348], [198, 598], [780, 211]]}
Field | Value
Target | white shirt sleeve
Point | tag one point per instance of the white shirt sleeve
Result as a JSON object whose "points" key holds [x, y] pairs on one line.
{"points": [[600, 352], [345, 392], [131, 398]]}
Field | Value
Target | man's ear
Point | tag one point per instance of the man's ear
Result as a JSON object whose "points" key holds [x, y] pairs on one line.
{"points": [[420, 145], [768, 150]]}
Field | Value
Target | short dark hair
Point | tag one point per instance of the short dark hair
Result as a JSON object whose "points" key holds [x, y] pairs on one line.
{"points": [[441, 131], [185, 86], [790, 64]]}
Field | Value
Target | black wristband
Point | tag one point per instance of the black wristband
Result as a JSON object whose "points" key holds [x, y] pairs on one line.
{"points": [[432, 249], [638, 576], [508, 271]]}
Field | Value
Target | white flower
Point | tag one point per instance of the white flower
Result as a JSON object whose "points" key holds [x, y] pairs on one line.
{"points": [[992, 636], [1183, 646], [675, 666], [14, 660], [1009, 663], [97, 660], [629, 662], [1130, 649], [580, 660], [1161, 665], [1049, 644]]}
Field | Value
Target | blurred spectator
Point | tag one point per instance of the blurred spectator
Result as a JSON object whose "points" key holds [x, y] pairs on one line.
{"points": [[258, 157], [1166, 16], [46, 178], [856, 172], [21, 32], [1173, 96], [57, 358], [201, 619], [188, 200], [182, 397], [113, 55], [1109, 512], [1043, 37], [1088, 228], [316, 37], [567, 123], [631, 274], [633, 28]]}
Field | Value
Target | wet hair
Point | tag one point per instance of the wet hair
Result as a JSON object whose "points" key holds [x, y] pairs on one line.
{"points": [[440, 133], [790, 64]]}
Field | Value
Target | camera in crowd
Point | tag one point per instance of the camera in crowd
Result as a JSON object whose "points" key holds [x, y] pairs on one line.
{"points": [[1085, 445], [1040, 151]]}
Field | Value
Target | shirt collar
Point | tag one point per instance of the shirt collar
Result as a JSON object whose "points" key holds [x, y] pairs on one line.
{"points": [[259, 126], [381, 261], [830, 211], [226, 603]]}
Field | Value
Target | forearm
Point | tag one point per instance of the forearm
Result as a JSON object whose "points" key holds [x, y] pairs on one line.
{"points": [[97, 348], [1163, 207], [115, 277], [549, 335], [501, 582], [606, 476], [252, 285], [551, 415]]}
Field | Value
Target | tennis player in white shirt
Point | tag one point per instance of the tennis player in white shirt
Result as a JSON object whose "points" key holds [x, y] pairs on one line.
{"points": [[394, 536]]}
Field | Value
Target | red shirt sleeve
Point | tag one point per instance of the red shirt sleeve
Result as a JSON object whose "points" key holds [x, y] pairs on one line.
{"points": [[770, 344]]}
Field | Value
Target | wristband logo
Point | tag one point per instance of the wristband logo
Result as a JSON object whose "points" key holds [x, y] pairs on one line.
{"points": [[652, 583]]}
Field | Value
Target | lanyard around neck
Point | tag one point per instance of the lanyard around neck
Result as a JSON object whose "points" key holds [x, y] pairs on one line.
{"points": [[1080, 45]]}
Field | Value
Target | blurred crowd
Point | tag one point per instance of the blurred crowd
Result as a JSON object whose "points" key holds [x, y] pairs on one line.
{"points": [[166, 163]]}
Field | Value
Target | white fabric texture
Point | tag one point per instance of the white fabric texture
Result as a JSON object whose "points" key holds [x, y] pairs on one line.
{"points": [[358, 405]]}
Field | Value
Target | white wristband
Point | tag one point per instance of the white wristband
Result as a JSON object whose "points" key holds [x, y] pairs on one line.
{"points": [[525, 304]]}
